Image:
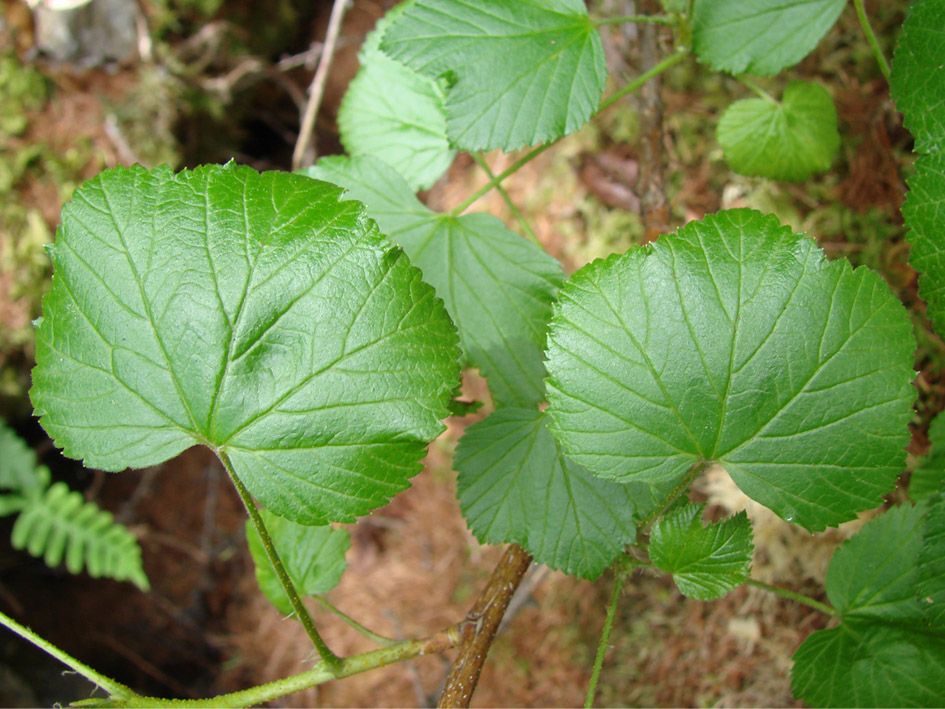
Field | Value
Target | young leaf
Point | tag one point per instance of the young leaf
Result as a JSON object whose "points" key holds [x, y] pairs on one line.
{"points": [[929, 477], [395, 114], [759, 37], [59, 523], [790, 140], [314, 558], [519, 73], [19, 472], [882, 653], [515, 485], [254, 313], [706, 562], [736, 341], [918, 87], [931, 586], [496, 286]]}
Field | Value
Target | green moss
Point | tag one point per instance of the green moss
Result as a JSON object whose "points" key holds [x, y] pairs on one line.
{"points": [[22, 89]]}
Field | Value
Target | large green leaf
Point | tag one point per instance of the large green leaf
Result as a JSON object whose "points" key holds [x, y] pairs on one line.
{"points": [[931, 584], [706, 562], [736, 341], [254, 313], [497, 286], [918, 87], [759, 37], [883, 653], [391, 112], [314, 557], [515, 485], [519, 73], [790, 140]]}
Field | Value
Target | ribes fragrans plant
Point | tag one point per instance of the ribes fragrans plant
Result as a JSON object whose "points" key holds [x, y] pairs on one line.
{"points": [[310, 330]]}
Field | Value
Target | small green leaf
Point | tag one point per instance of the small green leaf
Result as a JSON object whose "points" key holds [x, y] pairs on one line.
{"points": [[736, 341], [516, 486], [790, 140], [19, 472], [497, 286], [254, 313], [706, 562], [929, 477], [391, 112], [314, 558], [759, 37], [931, 585], [59, 525], [519, 73], [884, 653]]}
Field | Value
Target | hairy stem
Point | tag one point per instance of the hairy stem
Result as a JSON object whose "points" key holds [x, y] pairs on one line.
{"points": [[351, 622], [871, 38], [758, 90], [331, 660], [670, 499], [669, 62], [114, 689], [480, 161], [795, 596], [621, 570]]}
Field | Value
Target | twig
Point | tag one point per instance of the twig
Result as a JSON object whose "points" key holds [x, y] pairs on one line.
{"points": [[317, 90], [480, 627]]}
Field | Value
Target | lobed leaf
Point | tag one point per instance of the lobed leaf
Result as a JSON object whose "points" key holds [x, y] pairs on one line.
{"points": [[254, 313], [518, 73], [759, 37], [790, 140], [314, 557], [735, 341], [706, 562], [516, 486], [497, 287], [391, 112]]}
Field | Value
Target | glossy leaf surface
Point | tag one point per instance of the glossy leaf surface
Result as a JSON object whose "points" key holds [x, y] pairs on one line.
{"points": [[314, 558], [706, 561], [496, 286], [254, 313], [759, 37], [391, 112], [790, 140], [519, 73], [736, 341], [516, 486]]}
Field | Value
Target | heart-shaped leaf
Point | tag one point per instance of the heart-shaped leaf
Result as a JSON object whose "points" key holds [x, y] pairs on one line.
{"points": [[254, 313]]}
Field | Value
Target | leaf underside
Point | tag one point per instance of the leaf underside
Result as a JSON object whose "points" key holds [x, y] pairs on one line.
{"points": [[254, 313], [519, 73], [497, 286], [735, 341]]}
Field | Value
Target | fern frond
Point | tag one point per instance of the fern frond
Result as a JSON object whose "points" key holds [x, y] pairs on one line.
{"points": [[60, 524]]}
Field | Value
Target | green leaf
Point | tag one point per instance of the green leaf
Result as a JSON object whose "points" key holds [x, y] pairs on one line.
{"points": [[736, 341], [519, 73], [759, 37], [516, 486], [931, 584], [924, 212], [254, 313], [884, 652], [60, 524], [706, 562], [918, 73], [497, 286], [929, 477], [790, 140], [19, 471], [314, 558], [391, 112]]}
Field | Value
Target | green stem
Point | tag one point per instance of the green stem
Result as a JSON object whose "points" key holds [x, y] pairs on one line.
{"points": [[328, 657], [355, 664], [508, 200], [647, 19], [620, 574], [795, 596], [348, 620], [758, 90], [670, 61], [871, 38], [114, 689]]}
